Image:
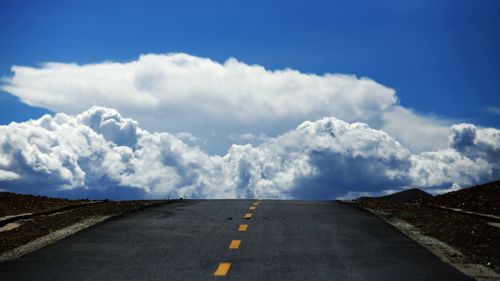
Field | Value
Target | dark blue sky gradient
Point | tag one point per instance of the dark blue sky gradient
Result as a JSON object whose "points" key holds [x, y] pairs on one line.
{"points": [[442, 57]]}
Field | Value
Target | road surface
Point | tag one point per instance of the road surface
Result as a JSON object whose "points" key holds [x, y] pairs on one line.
{"points": [[198, 240]]}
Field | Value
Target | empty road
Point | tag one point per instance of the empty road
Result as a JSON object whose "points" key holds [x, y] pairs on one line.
{"points": [[198, 240]]}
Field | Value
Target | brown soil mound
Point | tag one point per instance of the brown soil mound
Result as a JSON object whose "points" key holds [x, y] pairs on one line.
{"points": [[483, 199], [478, 240], [40, 225], [403, 196], [14, 204]]}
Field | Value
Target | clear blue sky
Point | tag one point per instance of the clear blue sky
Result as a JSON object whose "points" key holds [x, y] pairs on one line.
{"points": [[442, 57]]}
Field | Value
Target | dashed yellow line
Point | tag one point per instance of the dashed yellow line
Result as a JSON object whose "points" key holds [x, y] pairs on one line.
{"points": [[222, 269], [243, 227], [235, 244]]}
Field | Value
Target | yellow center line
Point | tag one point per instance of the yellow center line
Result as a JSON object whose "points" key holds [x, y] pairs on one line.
{"points": [[243, 227], [222, 269], [256, 204], [248, 216], [235, 244], [252, 208]]}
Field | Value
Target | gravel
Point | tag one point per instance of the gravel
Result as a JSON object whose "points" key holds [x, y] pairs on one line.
{"points": [[474, 237], [38, 226]]}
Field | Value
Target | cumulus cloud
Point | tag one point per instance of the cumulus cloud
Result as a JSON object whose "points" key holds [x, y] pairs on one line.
{"points": [[179, 92], [473, 156], [99, 153], [419, 133], [188, 137], [475, 143]]}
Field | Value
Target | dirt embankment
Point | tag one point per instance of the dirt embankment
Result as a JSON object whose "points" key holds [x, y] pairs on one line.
{"points": [[483, 199], [478, 239], [15, 204], [22, 231]]}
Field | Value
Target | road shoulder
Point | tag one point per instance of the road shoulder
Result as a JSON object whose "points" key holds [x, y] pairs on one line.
{"points": [[442, 250]]}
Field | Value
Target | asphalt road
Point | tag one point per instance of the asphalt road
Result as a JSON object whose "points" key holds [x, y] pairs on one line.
{"points": [[284, 240]]}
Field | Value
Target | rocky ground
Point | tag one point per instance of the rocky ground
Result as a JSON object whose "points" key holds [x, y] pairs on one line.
{"points": [[23, 231], [14, 204], [477, 238], [481, 199]]}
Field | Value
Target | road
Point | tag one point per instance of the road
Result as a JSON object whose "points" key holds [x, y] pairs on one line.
{"points": [[191, 240]]}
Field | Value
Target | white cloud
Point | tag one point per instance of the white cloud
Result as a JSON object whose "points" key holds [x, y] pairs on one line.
{"points": [[475, 143], [179, 93], [445, 167], [473, 155], [419, 133], [495, 110], [98, 153], [188, 137], [250, 138], [8, 176]]}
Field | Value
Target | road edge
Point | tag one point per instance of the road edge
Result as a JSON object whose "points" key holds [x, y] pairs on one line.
{"points": [[13, 218], [50, 238], [62, 233], [443, 251]]}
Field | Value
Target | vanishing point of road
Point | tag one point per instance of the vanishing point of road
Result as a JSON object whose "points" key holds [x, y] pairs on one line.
{"points": [[235, 240]]}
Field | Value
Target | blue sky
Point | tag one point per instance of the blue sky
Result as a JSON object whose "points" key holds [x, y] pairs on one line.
{"points": [[442, 57], [244, 99]]}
